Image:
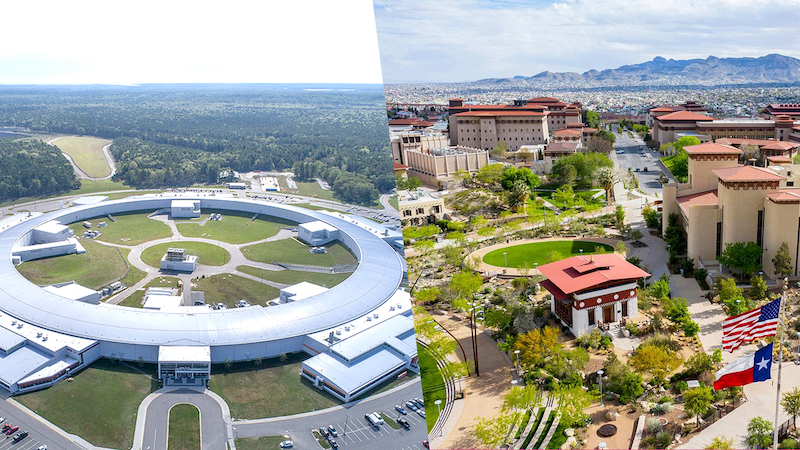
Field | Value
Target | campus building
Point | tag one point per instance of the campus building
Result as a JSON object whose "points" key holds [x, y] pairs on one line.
{"points": [[48, 239], [360, 355], [430, 157], [669, 126], [183, 365], [419, 207], [725, 202], [591, 290], [773, 110], [185, 209], [177, 260], [316, 233]]}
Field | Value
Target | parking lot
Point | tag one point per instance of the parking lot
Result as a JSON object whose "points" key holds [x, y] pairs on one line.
{"points": [[360, 434], [29, 443]]}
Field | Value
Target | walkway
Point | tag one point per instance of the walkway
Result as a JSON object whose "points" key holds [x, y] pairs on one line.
{"points": [[484, 394], [152, 425]]}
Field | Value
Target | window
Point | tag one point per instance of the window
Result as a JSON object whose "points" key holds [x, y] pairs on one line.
{"points": [[591, 316], [719, 238], [624, 308], [790, 184]]}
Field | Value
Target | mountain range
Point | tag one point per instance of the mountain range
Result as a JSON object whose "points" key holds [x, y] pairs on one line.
{"points": [[711, 71]]}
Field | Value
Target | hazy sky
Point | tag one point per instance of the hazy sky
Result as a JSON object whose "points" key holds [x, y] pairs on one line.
{"points": [[464, 40], [166, 41]]}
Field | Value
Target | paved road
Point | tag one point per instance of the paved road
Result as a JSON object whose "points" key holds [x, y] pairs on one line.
{"points": [[355, 432], [212, 424], [631, 158]]}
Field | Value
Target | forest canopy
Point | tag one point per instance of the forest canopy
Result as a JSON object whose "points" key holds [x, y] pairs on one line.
{"points": [[33, 168], [179, 135]]}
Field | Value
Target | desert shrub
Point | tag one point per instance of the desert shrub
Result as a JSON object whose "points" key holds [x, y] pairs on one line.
{"points": [[661, 409], [653, 426], [691, 328], [591, 340]]}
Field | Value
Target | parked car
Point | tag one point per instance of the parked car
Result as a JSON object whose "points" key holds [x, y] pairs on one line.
{"points": [[333, 443], [425, 443], [12, 429], [5, 428], [411, 406], [287, 444], [416, 403], [2, 419], [42, 447], [419, 400], [20, 436], [400, 409], [421, 413], [323, 431], [332, 431], [404, 422]]}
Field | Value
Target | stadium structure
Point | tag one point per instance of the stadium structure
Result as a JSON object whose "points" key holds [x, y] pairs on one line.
{"points": [[360, 331]]}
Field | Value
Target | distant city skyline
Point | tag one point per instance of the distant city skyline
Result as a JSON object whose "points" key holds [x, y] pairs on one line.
{"points": [[98, 42], [455, 41]]}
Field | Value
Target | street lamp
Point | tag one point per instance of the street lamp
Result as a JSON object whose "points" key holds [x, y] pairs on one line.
{"points": [[600, 373], [738, 301], [437, 403], [516, 352], [505, 260]]}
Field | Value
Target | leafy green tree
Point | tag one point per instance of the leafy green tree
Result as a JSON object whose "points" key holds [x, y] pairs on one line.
{"points": [[656, 361], [490, 174], [554, 256], [686, 141], [585, 164], [652, 218], [606, 178], [565, 195], [567, 174], [673, 235], [791, 403], [521, 398], [676, 309], [697, 401], [619, 217], [743, 256], [591, 118], [690, 328], [758, 289], [572, 400], [511, 175], [759, 433], [727, 289], [500, 149], [518, 195], [465, 285], [426, 294], [698, 363], [782, 262], [493, 432], [537, 345]]}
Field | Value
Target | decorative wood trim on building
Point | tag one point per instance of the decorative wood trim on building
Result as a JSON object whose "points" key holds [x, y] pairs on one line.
{"points": [[714, 157], [604, 299], [748, 185]]}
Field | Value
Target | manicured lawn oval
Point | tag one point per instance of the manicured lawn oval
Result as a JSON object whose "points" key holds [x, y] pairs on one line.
{"points": [[536, 252]]}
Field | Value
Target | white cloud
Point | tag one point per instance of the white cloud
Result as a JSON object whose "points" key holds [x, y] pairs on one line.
{"points": [[180, 41], [461, 40]]}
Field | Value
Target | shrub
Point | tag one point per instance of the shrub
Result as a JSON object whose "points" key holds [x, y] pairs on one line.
{"points": [[653, 426], [691, 328], [605, 343], [591, 340], [663, 439], [661, 409], [665, 399], [788, 443], [681, 386]]}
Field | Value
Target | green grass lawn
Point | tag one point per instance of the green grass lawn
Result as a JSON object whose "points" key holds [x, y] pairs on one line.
{"points": [[295, 276], [293, 252], [100, 405], [98, 267], [313, 207], [537, 252], [134, 275], [272, 389], [558, 438], [135, 300], [259, 443], [207, 254], [312, 189], [669, 161], [91, 187], [229, 289], [184, 427], [133, 228], [87, 153], [547, 426], [587, 196], [394, 202], [432, 386], [536, 423], [235, 227]]}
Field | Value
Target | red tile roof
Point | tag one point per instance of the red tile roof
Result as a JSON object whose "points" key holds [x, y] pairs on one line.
{"points": [[663, 109], [561, 147], [779, 159], [701, 198], [711, 148], [574, 125], [747, 173], [581, 273], [780, 145], [567, 132], [684, 116], [403, 121], [785, 196], [501, 113], [589, 130], [398, 166], [758, 142], [544, 100]]}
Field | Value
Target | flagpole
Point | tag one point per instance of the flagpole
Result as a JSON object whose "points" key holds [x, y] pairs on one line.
{"points": [[780, 363]]}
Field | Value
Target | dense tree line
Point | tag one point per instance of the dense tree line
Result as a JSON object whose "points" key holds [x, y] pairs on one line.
{"points": [[33, 168], [172, 135]]}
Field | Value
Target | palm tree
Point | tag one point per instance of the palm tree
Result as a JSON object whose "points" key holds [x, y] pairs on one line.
{"points": [[518, 194], [607, 179]]}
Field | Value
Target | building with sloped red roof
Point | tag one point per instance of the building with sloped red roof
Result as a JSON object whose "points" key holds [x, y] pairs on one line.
{"points": [[547, 114], [591, 290], [725, 202]]}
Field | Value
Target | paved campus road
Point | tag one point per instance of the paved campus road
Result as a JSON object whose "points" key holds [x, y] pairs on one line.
{"points": [[631, 158], [212, 425], [354, 431]]}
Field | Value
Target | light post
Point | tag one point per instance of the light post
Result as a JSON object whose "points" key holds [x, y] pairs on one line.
{"points": [[738, 301], [581, 250], [346, 418], [505, 260], [438, 411], [600, 373], [516, 352], [536, 268]]}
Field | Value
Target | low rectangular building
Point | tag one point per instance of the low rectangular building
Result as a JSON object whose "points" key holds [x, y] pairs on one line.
{"points": [[185, 209], [184, 365], [75, 291], [317, 233], [300, 291], [177, 260], [419, 207]]}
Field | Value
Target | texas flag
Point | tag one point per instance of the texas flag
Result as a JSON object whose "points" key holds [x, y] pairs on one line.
{"points": [[745, 370]]}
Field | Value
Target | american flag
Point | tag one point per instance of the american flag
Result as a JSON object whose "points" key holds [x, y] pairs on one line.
{"points": [[745, 327]]}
